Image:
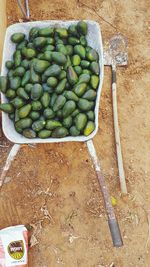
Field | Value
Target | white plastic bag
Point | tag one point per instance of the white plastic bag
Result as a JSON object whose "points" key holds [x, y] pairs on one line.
{"points": [[14, 246]]}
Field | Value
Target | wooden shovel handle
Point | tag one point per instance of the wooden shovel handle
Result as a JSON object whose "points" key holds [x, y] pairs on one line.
{"points": [[117, 133]]}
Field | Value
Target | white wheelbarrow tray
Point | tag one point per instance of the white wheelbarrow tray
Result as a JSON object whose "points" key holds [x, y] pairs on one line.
{"points": [[94, 40]]}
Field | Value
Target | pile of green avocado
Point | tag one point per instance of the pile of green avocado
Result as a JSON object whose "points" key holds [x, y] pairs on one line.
{"points": [[51, 83]]}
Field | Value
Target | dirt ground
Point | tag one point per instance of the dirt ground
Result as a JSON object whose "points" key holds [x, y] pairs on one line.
{"points": [[54, 186]]}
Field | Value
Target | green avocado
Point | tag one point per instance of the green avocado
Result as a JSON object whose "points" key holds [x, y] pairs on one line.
{"points": [[15, 83], [50, 40], [34, 115], [45, 99], [28, 87], [17, 37], [62, 49], [61, 86], [59, 58], [38, 125], [47, 55], [23, 123], [9, 64], [17, 115], [83, 41], [17, 58], [24, 111], [82, 27], [85, 71], [26, 78], [80, 121], [74, 131], [89, 128], [53, 99], [33, 33], [89, 95], [91, 116], [19, 71], [49, 48], [85, 105], [28, 53], [92, 55], [94, 66], [46, 32], [84, 78], [71, 75], [18, 102], [79, 50], [60, 132], [78, 70], [22, 93], [10, 73], [54, 70], [40, 65], [25, 64], [73, 41], [3, 84], [69, 49], [68, 108], [68, 63], [52, 124], [21, 45], [73, 30], [29, 133], [62, 32], [34, 77], [36, 91], [75, 112], [59, 103], [85, 64], [76, 60], [70, 95], [36, 105], [94, 81], [39, 42], [67, 122], [47, 88], [44, 134], [62, 75], [58, 41], [80, 89], [48, 113], [10, 93], [52, 81], [7, 107]]}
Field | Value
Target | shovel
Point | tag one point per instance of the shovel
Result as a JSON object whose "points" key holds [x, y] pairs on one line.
{"points": [[115, 54]]}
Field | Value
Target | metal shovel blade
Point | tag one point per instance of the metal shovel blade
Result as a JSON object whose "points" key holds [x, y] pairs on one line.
{"points": [[115, 51]]}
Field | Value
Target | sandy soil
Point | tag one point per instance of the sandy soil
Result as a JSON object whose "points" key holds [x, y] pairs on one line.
{"points": [[54, 186]]}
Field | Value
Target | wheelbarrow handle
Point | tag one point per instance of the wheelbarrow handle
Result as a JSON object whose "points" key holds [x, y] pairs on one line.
{"points": [[115, 233], [112, 221]]}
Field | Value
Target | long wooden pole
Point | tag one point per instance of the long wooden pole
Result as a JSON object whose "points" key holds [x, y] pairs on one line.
{"points": [[122, 179], [3, 23]]}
